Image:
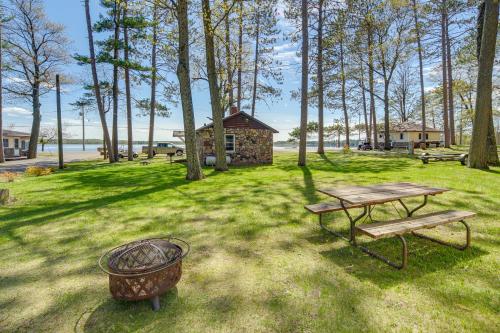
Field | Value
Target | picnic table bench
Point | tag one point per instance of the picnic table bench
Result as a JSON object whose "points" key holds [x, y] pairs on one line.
{"points": [[426, 157], [367, 197]]}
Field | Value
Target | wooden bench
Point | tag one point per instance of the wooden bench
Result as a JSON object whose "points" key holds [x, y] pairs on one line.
{"points": [[426, 157], [401, 227], [328, 207]]}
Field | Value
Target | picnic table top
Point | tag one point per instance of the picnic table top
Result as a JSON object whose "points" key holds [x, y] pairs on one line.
{"points": [[380, 193]]}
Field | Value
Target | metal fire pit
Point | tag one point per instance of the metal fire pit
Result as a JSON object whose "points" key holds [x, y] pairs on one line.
{"points": [[144, 269]]}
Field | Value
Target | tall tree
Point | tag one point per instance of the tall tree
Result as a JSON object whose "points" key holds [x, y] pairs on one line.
{"points": [[36, 48], [321, 101], [420, 67], [194, 171], [341, 21], [304, 83], [449, 72], [266, 67], [2, 21], [128, 95], [97, 88], [228, 47], [215, 98], [390, 32], [444, 65], [371, 84], [487, 32], [82, 105], [152, 112], [239, 90]]}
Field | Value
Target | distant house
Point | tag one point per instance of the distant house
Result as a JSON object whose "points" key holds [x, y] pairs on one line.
{"points": [[408, 131], [15, 143], [248, 140]]}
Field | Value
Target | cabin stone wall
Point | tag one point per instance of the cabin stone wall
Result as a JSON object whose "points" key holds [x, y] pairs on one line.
{"points": [[252, 146]]}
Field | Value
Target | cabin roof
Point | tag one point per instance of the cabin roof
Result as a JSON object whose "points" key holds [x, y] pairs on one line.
{"points": [[235, 121], [11, 133], [410, 127]]}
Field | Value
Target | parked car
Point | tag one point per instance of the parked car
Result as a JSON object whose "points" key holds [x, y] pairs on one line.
{"points": [[365, 146], [164, 148], [122, 153]]}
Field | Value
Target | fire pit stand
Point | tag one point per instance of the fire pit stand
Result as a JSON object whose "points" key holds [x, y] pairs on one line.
{"points": [[144, 269]]}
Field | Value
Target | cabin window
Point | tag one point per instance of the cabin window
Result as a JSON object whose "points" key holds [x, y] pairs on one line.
{"points": [[23, 144], [6, 143], [230, 141], [426, 136], [401, 136], [16, 143]]}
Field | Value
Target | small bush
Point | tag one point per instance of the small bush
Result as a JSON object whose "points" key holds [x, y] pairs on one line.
{"points": [[39, 171], [346, 149], [9, 176]]}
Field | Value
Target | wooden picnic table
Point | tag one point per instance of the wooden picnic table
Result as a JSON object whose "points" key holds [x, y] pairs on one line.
{"points": [[367, 197]]}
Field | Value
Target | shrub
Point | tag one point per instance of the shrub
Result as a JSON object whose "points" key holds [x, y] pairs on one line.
{"points": [[39, 171], [346, 149], [9, 176]]}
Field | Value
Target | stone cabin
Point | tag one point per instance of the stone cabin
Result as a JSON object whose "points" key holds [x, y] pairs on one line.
{"points": [[15, 143], [248, 140]]}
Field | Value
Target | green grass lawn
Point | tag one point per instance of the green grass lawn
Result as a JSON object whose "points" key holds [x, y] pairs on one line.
{"points": [[259, 261]]}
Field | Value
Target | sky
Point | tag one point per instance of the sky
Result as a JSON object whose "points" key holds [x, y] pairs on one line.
{"points": [[283, 114]]}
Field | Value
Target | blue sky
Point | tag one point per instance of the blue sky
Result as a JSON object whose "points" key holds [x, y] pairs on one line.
{"points": [[283, 114]]}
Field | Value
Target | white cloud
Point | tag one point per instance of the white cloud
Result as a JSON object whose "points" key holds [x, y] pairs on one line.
{"points": [[17, 111]]}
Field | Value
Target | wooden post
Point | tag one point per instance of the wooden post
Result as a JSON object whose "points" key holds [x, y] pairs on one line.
{"points": [[59, 125], [411, 147]]}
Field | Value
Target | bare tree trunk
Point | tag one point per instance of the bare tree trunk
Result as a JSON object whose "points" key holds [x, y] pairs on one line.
{"points": [[240, 54], [491, 140], [152, 110], [321, 149], [446, 129], [478, 152], [35, 126], [371, 86], [194, 171], [97, 88], [365, 111], [256, 60], [229, 67], [461, 129], [342, 91], [83, 128], [304, 85], [2, 157], [387, 139], [220, 149], [128, 94], [421, 70], [116, 38], [451, 104]]}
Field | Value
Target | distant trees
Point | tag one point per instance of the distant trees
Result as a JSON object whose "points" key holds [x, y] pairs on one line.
{"points": [[36, 48]]}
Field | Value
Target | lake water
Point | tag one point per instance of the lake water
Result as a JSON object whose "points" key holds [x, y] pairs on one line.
{"points": [[52, 148]]}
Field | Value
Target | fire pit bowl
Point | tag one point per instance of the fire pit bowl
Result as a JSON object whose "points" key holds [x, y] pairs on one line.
{"points": [[144, 269]]}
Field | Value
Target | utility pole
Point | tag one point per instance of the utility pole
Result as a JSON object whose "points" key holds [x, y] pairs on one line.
{"points": [[59, 125]]}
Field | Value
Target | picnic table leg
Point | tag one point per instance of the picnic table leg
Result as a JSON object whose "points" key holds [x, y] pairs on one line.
{"points": [[329, 230], [353, 221], [409, 213], [404, 254], [458, 247]]}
